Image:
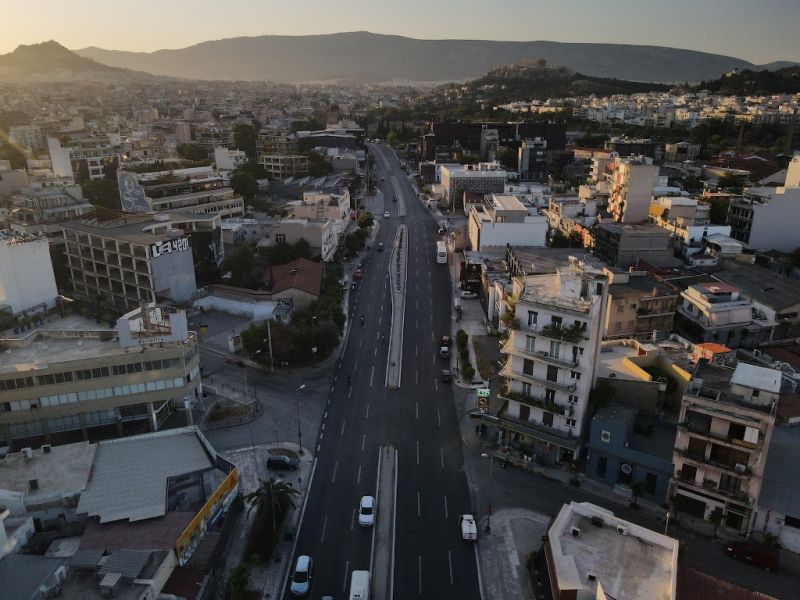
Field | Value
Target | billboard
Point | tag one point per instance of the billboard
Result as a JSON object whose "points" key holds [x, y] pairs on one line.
{"points": [[131, 194]]}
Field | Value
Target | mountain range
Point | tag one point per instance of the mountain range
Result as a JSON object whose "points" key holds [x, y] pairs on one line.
{"points": [[364, 57]]}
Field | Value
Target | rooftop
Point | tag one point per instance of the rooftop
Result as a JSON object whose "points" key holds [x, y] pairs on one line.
{"points": [[759, 378], [131, 227], [611, 362], [761, 285], [638, 563], [301, 274], [63, 471], [130, 475], [695, 585], [22, 574]]}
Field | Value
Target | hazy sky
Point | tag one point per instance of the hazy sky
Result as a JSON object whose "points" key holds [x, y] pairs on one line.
{"points": [[756, 30]]}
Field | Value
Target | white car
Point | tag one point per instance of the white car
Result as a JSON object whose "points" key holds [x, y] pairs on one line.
{"points": [[468, 295], [366, 511], [301, 578], [386, 214]]}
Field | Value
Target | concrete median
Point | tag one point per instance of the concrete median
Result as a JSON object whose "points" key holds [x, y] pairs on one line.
{"points": [[383, 535]]}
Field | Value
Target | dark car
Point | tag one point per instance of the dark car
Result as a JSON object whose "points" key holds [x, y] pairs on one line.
{"points": [[447, 377], [278, 462], [757, 555]]}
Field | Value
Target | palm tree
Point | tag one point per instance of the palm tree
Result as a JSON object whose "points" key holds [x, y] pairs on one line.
{"points": [[272, 493]]}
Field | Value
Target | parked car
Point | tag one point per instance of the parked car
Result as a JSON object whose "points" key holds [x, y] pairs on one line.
{"points": [[468, 295], [380, 246], [757, 555], [278, 462], [358, 274], [386, 214], [447, 377], [445, 341], [366, 511], [469, 530], [444, 352], [301, 578]]}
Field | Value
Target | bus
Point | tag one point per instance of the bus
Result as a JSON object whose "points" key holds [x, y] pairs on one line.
{"points": [[441, 253]]}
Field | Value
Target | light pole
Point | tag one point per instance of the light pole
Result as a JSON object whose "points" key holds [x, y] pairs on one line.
{"points": [[491, 481], [297, 401], [666, 527]]}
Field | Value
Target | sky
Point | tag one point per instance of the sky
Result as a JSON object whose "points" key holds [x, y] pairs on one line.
{"points": [[760, 31]]}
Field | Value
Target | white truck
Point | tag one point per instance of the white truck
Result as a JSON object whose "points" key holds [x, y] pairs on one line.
{"points": [[469, 530], [359, 585]]}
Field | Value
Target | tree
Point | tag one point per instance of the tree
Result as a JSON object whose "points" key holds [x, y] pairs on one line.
{"points": [[509, 159], [245, 269], [318, 165], [365, 219], [244, 184], [244, 138], [193, 152], [391, 138], [103, 193], [236, 584]]}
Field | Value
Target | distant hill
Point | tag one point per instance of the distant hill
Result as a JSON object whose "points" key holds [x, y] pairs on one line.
{"points": [[535, 80], [749, 82], [368, 57], [50, 61]]}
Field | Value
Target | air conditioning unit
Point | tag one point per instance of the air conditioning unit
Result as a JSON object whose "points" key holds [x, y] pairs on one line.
{"points": [[740, 467], [591, 576], [622, 530], [27, 453], [575, 531], [47, 449]]}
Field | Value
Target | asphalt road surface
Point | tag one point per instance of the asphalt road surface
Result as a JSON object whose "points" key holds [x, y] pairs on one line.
{"points": [[431, 560]]}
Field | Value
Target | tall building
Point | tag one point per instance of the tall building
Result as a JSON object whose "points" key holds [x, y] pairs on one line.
{"points": [[483, 178], [120, 260], [82, 379], [503, 219], [533, 160], [554, 337], [283, 166], [724, 430], [26, 272], [632, 183]]}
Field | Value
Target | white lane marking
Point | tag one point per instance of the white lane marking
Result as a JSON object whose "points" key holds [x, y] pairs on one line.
{"points": [[346, 569], [419, 505], [446, 515], [349, 393], [363, 441], [450, 564], [324, 529], [441, 456], [416, 377], [376, 352], [358, 477], [420, 574], [317, 448], [417, 411], [416, 349], [366, 416], [433, 339], [371, 376], [417, 451], [353, 520], [436, 385], [355, 366], [323, 427], [325, 416], [343, 424], [438, 417], [434, 358], [335, 466]]}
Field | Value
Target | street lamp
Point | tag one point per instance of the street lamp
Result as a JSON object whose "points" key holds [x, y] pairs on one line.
{"points": [[666, 527], [491, 481], [297, 401]]}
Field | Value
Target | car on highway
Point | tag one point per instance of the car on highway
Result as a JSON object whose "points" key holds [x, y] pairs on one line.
{"points": [[366, 511], [468, 295], [279, 462], [358, 274], [386, 214], [301, 578], [380, 246], [447, 376], [469, 530], [445, 341], [444, 352]]}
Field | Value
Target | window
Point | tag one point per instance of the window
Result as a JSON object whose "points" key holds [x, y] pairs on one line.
{"points": [[620, 307], [573, 399], [555, 349], [526, 389], [547, 419], [556, 321], [605, 436], [602, 465], [631, 324], [280, 238], [530, 343], [570, 422], [790, 521], [650, 481], [550, 395], [552, 373], [524, 412], [527, 367], [532, 317], [576, 375], [755, 393]]}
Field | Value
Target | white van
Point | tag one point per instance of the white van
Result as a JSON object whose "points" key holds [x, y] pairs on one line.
{"points": [[359, 585]]}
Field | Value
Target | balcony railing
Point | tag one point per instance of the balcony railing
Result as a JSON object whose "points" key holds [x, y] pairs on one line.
{"points": [[701, 460], [552, 407], [542, 355], [571, 333], [719, 437], [711, 486], [507, 371]]}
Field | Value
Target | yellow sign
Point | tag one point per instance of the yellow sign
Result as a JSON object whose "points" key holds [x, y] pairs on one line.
{"points": [[196, 529]]}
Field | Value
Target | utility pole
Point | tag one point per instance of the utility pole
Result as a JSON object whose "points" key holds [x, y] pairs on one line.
{"points": [[269, 342]]}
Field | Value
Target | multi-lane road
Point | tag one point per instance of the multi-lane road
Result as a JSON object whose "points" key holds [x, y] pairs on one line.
{"points": [[419, 419]]}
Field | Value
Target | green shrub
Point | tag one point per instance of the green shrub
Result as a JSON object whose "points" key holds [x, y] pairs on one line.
{"points": [[468, 371], [461, 338]]}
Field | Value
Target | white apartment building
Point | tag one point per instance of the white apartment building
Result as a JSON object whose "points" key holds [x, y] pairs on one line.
{"points": [[27, 136], [554, 337], [716, 312], [316, 205], [319, 233], [26, 272], [632, 181], [724, 430], [81, 377], [43, 210], [87, 156], [687, 219], [228, 160], [483, 178], [503, 219], [766, 218]]}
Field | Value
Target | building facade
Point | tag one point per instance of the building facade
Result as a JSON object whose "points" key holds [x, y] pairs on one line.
{"points": [[26, 273], [483, 178], [503, 219], [632, 180], [283, 166]]}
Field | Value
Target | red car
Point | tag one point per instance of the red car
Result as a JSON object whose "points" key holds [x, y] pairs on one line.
{"points": [[358, 274], [756, 554]]}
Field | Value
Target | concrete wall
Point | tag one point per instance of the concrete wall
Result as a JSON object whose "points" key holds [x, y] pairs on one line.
{"points": [[531, 233], [26, 274], [258, 311], [175, 272], [775, 224]]}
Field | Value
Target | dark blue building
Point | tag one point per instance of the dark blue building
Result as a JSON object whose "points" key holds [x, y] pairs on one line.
{"points": [[625, 448]]}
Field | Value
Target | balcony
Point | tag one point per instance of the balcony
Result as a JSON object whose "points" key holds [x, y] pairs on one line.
{"points": [[702, 461], [552, 407], [507, 371], [709, 485], [542, 355], [570, 333], [736, 442]]}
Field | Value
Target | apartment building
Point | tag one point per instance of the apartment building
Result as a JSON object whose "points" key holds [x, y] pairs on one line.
{"points": [[82, 379], [27, 136], [199, 190], [83, 158], [43, 210], [483, 178], [533, 160], [11, 180], [624, 245], [503, 219], [26, 273], [283, 166], [318, 205], [227, 160], [687, 220], [320, 234], [724, 430], [632, 181], [118, 261], [681, 151], [555, 330], [765, 218], [638, 304]]}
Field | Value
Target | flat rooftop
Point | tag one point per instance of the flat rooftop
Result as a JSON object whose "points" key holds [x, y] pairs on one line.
{"points": [[131, 227], [611, 360], [640, 564], [57, 341], [61, 472], [761, 285]]}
